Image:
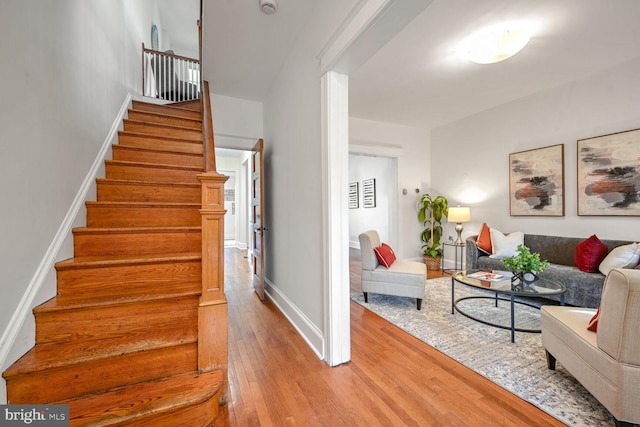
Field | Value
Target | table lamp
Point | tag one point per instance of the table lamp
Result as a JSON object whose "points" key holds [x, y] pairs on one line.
{"points": [[459, 215]]}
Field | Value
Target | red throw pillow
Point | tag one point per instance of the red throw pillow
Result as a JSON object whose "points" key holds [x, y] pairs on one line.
{"points": [[385, 255], [589, 254], [593, 323], [483, 242]]}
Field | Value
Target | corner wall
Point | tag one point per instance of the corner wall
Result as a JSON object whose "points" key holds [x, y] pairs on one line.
{"points": [[479, 147]]}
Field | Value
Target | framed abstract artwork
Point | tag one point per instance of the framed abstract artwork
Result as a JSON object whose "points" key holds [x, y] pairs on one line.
{"points": [[609, 174], [353, 195], [536, 182], [369, 193]]}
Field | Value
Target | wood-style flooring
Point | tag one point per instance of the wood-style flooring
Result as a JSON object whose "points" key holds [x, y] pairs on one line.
{"points": [[393, 379]]}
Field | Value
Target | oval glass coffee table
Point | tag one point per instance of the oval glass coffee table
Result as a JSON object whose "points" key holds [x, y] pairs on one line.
{"points": [[505, 289]]}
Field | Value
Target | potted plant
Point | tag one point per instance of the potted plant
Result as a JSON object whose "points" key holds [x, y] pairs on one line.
{"points": [[430, 213], [525, 265]]}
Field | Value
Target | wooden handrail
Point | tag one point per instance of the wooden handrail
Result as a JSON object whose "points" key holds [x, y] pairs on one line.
{"points": [[207, 130], [170, 55]]}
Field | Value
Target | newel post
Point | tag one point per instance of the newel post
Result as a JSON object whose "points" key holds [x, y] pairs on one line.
{"points": [[212, 311]]}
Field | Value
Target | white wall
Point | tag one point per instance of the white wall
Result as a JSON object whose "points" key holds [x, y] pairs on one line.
{"points": [[293, 170], [67, 69], [470, 157], [237, 123], [382, 217], [410, 146]]}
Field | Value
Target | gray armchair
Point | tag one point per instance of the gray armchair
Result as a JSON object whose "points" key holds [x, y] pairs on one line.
{"points": [[403, 278], [606, 362]]}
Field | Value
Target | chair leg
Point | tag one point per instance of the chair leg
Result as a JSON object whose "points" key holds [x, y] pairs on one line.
{"points": [[419, 303], [551, 361], [366, 297]]}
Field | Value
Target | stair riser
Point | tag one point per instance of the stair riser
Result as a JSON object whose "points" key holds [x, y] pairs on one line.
{"points": [[95, 322], [91, 244], [151, 142], [163, 109], [110, 216], [152, 129], [138, 192], [196, 415], [138, 173], [163, 158], [100, 375], [117, 280], [149, 117]]}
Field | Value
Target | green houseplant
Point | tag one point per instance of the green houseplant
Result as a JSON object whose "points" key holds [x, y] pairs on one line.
{"points": [[430, 213], [525, 262]]}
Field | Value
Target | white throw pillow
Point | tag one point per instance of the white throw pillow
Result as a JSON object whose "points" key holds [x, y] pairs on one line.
{"points": [[625, 256], [505, 245]]}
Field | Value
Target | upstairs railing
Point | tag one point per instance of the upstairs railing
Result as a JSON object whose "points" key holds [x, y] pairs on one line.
{"points": [[170, 77]]}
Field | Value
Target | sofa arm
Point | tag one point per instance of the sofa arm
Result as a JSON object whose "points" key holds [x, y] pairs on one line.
{"points": [[471, 252]]}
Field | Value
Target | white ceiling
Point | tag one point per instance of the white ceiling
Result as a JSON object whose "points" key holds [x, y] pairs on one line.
{"points": [[246, 48], [418, 79]]}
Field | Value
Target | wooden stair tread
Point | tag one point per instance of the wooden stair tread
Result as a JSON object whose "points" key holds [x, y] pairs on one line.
{"points": [[142, 204], [147, 183], [187, 104], [154, 165], [156, 150], [161, 137], [165, 126], [155, 397], [179, 107], [76, 302], [131, 230], [93, 261], [48, 356], [166, 115]]}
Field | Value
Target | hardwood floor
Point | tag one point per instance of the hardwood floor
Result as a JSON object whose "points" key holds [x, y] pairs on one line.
{"points": [[393, 378]]}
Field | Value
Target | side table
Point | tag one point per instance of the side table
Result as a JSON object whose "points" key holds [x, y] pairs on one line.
{"points": [[457, 265]]}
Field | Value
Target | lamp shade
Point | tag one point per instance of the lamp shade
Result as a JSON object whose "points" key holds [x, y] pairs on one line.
{"points": [[459, 214]]}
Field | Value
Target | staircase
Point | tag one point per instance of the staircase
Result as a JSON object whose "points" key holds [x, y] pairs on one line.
{"points": [[120, 343]]}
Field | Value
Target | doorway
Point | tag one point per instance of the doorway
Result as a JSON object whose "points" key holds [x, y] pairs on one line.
{"points": [[234, 164], [382, 214]]}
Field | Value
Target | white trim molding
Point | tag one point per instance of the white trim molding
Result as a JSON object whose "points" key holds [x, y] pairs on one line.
{"points": [[309, 332], [369, 26], [46, 266]]}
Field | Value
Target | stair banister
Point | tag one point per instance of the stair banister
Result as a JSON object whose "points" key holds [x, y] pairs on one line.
{"points": [[212, 310]]}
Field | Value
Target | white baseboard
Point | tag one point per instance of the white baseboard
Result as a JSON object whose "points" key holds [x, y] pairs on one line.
{"points": [[309, 332], [46, 266]]}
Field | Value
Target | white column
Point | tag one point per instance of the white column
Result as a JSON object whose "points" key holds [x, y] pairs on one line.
{"points": [[335, 158]]}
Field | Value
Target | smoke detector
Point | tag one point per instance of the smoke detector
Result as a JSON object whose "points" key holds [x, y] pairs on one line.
{"points": [[269, 7]]}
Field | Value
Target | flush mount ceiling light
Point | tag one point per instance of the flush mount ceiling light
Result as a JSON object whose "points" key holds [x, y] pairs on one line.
{"points": [[268, 7], [497, 43]]}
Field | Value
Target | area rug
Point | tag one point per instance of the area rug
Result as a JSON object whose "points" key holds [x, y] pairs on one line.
{"points": [[518, 367]]}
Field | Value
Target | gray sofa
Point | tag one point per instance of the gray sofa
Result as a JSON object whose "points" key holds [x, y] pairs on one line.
{"points": [[583, 289]]}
